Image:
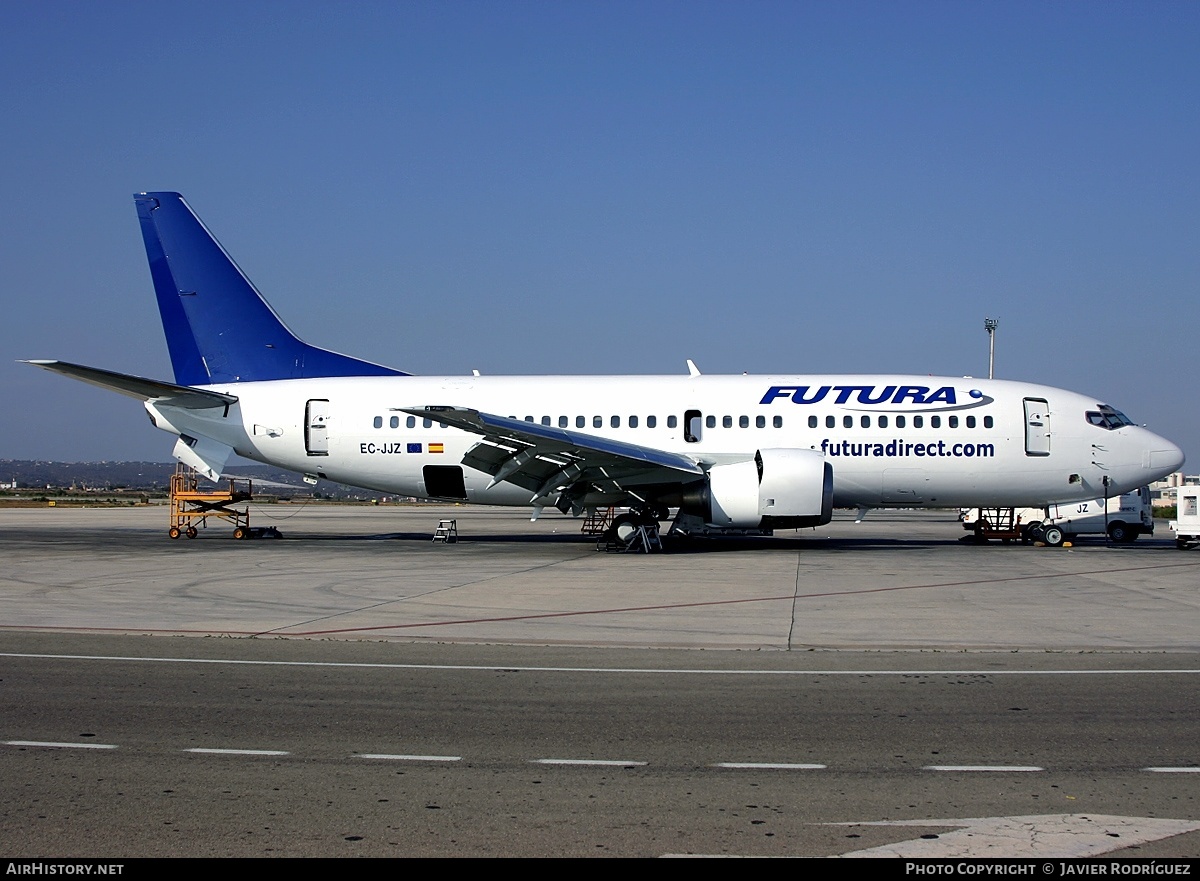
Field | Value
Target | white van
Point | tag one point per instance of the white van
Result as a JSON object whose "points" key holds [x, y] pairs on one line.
{"points": [[1129, 515]]}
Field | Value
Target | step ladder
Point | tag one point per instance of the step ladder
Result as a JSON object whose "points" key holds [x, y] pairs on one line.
{"points": [[597, 521], [447, 531], [645, 538]]}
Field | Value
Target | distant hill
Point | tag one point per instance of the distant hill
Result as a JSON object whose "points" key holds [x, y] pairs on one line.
{"points": [[156, 476]]}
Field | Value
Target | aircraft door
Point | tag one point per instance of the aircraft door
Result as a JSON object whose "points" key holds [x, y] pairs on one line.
{"points": [[316, 427], [1037, 427], [692, 422]]}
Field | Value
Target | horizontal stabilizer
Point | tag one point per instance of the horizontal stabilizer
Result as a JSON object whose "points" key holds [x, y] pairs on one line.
{"points": [[139, 387]]}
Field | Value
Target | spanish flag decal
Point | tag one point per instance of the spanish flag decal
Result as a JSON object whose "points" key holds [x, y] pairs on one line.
{"points": [[435, 448]]}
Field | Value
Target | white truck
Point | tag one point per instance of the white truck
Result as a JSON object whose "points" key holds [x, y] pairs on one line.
{"points": [[1129, 515], [1186, 526]]}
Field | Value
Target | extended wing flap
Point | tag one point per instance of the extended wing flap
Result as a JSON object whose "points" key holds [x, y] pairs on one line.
{"points": [[543, 459], [139, 387]]}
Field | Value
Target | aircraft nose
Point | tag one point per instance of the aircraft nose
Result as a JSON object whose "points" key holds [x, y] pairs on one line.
{"points": [[1165, 456]]}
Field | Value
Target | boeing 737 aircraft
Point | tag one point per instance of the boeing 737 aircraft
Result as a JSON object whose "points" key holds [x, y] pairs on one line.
{"points": [[729, 452]]}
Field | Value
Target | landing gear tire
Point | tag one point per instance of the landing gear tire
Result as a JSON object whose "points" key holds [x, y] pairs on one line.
{"points": [[1053, 536], [625, 527], [1029, 532]]}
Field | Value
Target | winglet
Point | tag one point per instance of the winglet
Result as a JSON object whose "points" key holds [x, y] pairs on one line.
{"points": [[693, 370]]}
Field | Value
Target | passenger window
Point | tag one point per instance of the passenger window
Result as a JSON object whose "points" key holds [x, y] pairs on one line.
{"points": [[427, 423], [652, 422], [562, 421], [580, 421], [812, 421], [952, 422], [615, 421], [672, 422], [597, 422], [633, 422], [394, 422], [710, 422], [900, 421], [935, 421], [411, 421], [883, 422], [760, 421], [847, 421], [378, 423], [528, 418], [727, 422], [987, 422], [778, 421], [865, 422], [970, 422], [545, 420], [918, 421], [830, 422], [743, 422]]}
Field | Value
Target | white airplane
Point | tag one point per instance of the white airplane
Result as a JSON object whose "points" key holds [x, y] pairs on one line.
{"points": [[729, 452]]}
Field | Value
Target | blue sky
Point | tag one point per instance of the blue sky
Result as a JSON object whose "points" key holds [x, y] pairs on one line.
{"points": [[612, 188]]}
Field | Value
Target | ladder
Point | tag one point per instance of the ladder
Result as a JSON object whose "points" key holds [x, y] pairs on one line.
{"points": [[597, 521], [447, 531]]}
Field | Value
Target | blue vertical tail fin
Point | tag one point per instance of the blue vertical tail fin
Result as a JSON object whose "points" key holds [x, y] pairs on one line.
{"points": [[218, 326]]}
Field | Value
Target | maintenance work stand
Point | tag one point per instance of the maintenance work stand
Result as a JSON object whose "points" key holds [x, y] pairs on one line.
{"points": [[191, 507]]}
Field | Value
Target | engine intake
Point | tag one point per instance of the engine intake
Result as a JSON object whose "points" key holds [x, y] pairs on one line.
{"points": [[778, 489]]}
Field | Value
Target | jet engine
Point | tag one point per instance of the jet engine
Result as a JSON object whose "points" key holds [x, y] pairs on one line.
{"points": [[777, 489]]}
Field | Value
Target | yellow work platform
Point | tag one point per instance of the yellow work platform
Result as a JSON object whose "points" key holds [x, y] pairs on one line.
{"points": [[191, 507]]}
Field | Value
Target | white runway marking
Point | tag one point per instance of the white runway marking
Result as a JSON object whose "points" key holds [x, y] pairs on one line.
{"points": [[1168, 770], [1021, 768], [1038, 836], [494, 668], [237, 752], [56, 745], [769, 766], [603, 763], [404, 758]]}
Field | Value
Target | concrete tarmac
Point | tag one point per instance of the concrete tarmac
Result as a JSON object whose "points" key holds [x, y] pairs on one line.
{"points": [[897, 581]]}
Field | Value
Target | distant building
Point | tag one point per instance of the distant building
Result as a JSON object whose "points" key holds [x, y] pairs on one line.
{"points": [[1163, 493]]}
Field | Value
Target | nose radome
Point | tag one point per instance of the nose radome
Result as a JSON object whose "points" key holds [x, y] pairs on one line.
{"points": [[1165, 456]]}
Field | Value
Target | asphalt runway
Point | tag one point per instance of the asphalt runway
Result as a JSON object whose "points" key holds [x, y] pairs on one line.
{"points": [[875, 688]]}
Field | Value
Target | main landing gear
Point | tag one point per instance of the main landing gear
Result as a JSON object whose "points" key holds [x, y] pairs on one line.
{"points": [[634, 531]]}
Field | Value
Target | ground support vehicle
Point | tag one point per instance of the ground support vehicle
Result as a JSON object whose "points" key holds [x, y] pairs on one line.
{"points": [[1186, 524]]}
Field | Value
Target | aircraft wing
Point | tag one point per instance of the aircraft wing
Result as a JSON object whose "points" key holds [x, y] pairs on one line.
{"points": [[550, 461], [139, 387]]}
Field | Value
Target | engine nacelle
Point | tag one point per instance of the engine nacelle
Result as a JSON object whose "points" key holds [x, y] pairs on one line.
{"points": [[779, 489]]}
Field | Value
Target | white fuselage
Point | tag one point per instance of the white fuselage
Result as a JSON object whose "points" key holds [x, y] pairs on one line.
{"points": [[891, 440]]}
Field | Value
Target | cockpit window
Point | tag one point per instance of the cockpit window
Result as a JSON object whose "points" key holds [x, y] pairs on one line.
{"points": [[1107, 417]]}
